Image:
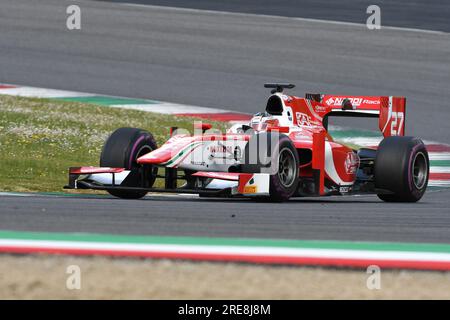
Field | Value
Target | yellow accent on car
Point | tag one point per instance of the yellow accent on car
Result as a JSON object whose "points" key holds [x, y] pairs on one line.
{"points": [[250, 189]]}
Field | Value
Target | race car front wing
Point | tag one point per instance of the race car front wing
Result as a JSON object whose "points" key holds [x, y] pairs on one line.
{"points": [[217, 183]]}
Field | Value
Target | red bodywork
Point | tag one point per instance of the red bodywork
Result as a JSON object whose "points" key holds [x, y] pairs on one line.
{"points": [[214, 162], [304, 121]]}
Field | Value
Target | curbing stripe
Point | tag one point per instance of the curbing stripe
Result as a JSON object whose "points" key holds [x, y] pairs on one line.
{"points": [[439, 184], [440, 163], [230, 242], [222, 116], [443, 156], [170, 108], [39, 92], [6, 86], [341, 254], [308, 261], [440, 176], [107, 100], [434, 147], [337, 132], [440, 169], [125, 103], [16, 194], [229, 250]]}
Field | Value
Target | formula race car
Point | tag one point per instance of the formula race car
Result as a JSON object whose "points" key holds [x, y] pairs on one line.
{"points": [[285, 151]]}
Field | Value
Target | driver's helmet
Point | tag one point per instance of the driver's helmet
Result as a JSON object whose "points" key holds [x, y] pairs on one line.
{"points": [[263, 120]]}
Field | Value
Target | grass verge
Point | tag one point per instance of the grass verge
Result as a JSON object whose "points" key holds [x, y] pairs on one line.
{"points": [[41, 138]]}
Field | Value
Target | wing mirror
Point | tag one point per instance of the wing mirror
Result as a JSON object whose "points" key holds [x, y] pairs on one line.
{"points": [[202, 126]]}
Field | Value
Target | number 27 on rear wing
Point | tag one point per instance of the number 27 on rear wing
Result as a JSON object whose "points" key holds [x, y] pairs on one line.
{"points": [[388, 109]]}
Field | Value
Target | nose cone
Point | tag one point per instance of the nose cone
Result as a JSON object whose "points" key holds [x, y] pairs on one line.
{"points": [[157, 156], [173, 148]]}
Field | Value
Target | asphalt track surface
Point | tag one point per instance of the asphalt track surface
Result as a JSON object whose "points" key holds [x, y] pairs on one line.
{"points": [[221, 60], [419, 14], [336, 218]]}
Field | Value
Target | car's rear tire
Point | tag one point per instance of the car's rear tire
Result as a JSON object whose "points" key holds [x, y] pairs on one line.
{"points": [[121, 150], [402, 167], [284, 170]]}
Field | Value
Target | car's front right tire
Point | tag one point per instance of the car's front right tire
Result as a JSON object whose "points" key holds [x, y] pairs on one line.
{"points": [[274, 153]]}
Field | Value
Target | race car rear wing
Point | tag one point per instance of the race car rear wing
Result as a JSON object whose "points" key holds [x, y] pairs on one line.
{"points": [[389, 110]]}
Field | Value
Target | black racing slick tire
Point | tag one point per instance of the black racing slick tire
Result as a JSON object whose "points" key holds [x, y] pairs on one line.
{"points": [[121, 150], [280, 158], [402, 167]]}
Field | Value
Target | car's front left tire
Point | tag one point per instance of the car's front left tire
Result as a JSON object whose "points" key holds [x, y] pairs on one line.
{"points": [[121, 150]]}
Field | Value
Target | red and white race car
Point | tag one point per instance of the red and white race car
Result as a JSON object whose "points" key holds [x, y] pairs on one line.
{"points": [[283, 152]]}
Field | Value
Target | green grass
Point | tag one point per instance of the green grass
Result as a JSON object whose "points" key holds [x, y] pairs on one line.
{"points": [[40, 138]]}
